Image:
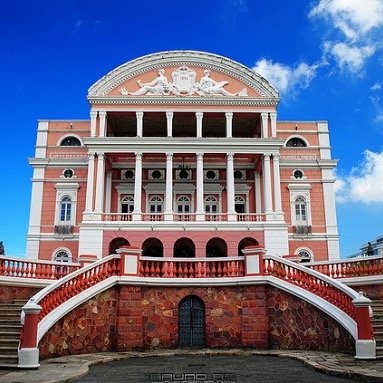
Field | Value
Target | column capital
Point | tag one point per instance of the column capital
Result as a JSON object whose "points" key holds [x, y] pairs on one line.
{"points": [[273, 114], [276, 156], [267, 155], [102, 113], [93, 113], [101, 156], [229, 115], [264, 114], [139, 114], [199, 155], [138, 154], [230, 156], [169, 114], [169, 156], [91, 156], [199, 115]]}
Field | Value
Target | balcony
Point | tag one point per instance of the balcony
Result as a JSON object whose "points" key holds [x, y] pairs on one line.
{"points": [[64, 229], [302, 230], [191, 217]]}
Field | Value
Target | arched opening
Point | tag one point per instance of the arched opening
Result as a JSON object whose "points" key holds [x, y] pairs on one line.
{"points": [[184, 248], [244, 243], [216, 247], [152, 247], [191, 322], [116, 243], [296, 142]]}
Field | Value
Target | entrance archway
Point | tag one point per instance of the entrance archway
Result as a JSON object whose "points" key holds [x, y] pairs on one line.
{"points": [[184, 248], [152, 247], [116, 243], [191, 322], [216, 247], [244, 243]]}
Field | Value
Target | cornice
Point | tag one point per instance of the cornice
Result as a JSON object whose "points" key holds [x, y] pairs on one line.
{"points": [[183, 100]]}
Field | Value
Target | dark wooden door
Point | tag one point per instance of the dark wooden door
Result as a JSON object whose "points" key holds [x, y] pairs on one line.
{"points": [[191, 322]]}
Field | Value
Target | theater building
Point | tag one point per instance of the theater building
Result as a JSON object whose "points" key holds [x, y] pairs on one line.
{"points": [[183, 156]]}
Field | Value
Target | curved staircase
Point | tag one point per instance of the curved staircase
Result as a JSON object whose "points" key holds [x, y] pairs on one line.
{"points": [[10, 329], [377, 326]]}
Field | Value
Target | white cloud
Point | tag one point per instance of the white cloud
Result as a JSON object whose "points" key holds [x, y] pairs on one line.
{"points": [[364, 184], [351, 58], [354, 18], [360, 22], [284, 78], [376, 87]]}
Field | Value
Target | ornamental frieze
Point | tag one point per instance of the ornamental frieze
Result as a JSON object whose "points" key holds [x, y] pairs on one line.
{"points": [[183, 84]]}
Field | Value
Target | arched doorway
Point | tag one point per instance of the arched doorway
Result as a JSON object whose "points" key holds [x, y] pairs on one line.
{"points": [[191, 322], [244, 243], [116, 243], [216, 247], [184, 248], [152, 247]]}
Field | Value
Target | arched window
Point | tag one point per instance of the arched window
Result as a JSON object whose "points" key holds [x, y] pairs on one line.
{"points": [[216, 247], [127, 204], [183, 205], [65, 209], [304, 255], [296, 142], [62, 256], [240, 204], [152, 247], [70, 141], [155, 204], [211, 206], [300, 211]]}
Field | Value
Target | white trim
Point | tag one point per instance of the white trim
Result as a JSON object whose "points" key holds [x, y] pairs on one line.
{"points": [[62, 138]]}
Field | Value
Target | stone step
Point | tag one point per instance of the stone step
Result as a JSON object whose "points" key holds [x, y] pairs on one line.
{"points": [[8, 361]]}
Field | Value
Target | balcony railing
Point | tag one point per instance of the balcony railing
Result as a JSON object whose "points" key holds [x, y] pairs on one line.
{"points": [[191, 268], [22, 268], [63, 229], [184, 217]]}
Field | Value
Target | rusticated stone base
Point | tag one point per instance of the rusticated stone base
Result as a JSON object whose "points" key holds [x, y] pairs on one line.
{"points": [[8, 294], [91, 327], [133, 318], [297, 325]]}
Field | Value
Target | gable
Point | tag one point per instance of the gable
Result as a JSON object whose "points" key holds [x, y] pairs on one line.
{"points": [[183, 74]]}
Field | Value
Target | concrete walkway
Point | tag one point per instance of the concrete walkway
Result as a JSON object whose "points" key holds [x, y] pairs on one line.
{"points": [[70, 368]]}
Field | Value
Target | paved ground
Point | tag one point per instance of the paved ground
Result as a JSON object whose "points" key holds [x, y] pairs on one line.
{"points": [[203, 366]]}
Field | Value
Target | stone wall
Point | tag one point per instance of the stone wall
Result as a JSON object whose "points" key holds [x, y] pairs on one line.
{"points": [[134, 318], [9, 294], [295, 324]]}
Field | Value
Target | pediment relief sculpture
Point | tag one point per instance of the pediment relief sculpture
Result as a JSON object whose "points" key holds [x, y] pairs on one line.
{"points": [[184, 84]]}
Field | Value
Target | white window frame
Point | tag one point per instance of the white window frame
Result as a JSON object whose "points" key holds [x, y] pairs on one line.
{"points": [[68, 190], [59, 250], [300, 191]]}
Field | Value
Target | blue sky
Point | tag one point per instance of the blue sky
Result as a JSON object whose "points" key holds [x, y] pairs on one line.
{"points": [[324, 56]]}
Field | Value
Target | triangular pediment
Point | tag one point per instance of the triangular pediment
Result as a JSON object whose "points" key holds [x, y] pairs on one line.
{"points": [[183, 74]]}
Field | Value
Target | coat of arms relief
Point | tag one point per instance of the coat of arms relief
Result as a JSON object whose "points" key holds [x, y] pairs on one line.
{"points": [[183, 84]]}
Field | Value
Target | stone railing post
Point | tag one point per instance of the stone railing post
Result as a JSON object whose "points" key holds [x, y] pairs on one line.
{"points": [[86, 259], [129, 260], [254, 263], [365, 345], [28, 351]]}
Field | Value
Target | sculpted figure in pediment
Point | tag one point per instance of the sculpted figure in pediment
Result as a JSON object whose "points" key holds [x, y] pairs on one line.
{"points": [[208, 86], [159, 86]]}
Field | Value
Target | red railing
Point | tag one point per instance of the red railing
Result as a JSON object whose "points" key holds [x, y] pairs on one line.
{"points": [[310, 280], [56, 294], [191, 268], [349, 268], [22, 268]]}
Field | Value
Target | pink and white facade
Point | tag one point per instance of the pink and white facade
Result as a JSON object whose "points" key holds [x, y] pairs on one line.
{"points": [[183, 156]]}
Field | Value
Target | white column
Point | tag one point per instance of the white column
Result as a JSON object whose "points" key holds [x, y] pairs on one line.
{"points": [[140, 118], [169, 123], [267, 184], [231, 214], [258, 200], [273, 120], [264, 124], [277, 185], [200, 213], [229, 124], [90, 184], [169, 188], [100, 183], [108, 191], [102, 123], [93, 121], [136, 216], [199, 116]]}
